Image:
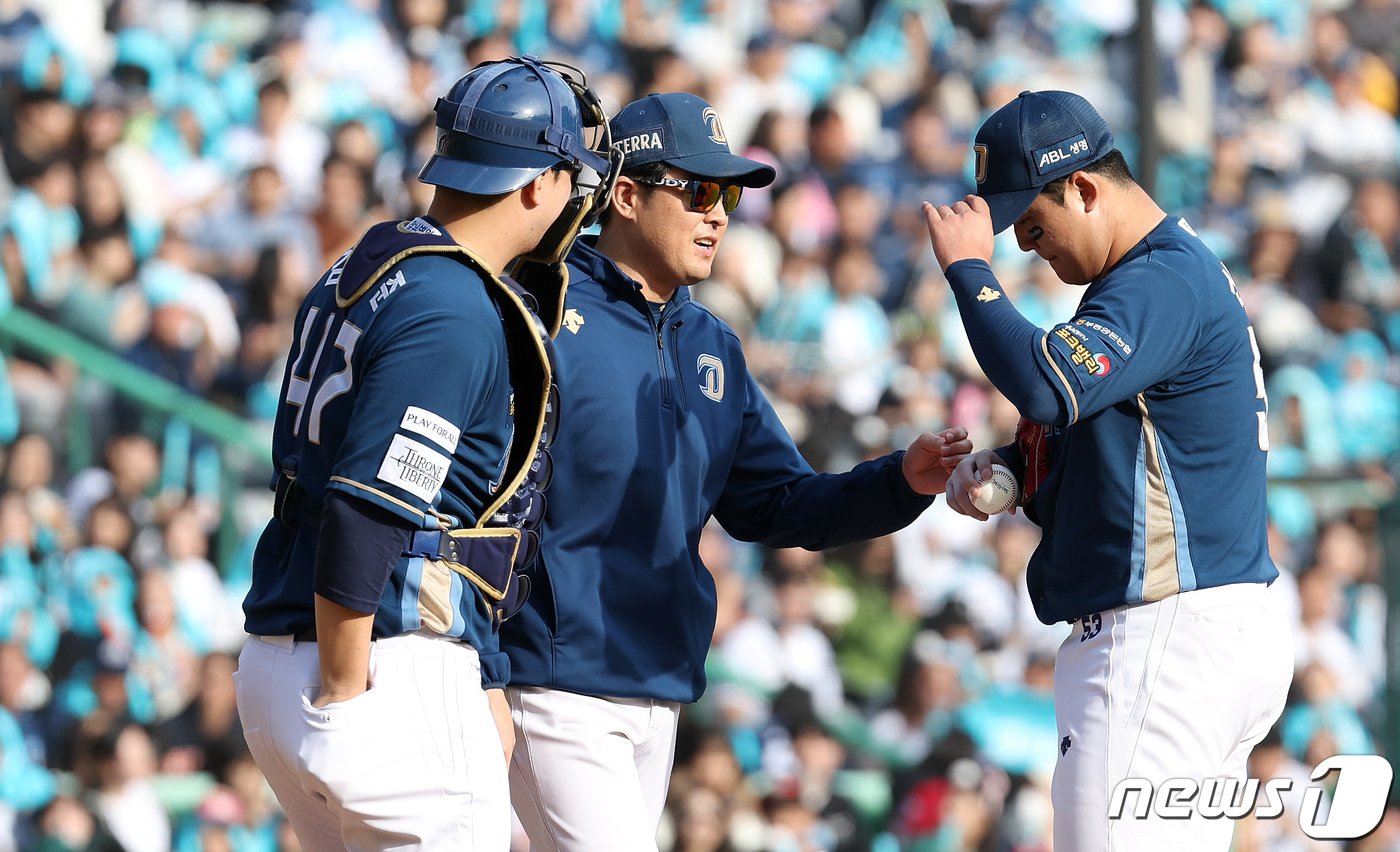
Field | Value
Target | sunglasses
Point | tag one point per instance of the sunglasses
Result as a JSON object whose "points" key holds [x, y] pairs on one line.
{"points": [[704, 194]]}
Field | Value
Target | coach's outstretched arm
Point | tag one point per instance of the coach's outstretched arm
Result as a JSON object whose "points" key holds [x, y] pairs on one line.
{"points": [[773, 496]]}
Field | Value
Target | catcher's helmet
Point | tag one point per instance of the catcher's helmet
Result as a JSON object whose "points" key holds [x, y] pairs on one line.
{"points": [[504, 123]]}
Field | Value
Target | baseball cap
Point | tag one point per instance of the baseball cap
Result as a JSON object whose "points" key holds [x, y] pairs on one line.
{"points": [[683, 130], [1035, 139]]}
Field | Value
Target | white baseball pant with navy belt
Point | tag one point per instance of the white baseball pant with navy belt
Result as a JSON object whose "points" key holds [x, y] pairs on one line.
{"points": [[590, 773], [414, 763], [1180, 688]]}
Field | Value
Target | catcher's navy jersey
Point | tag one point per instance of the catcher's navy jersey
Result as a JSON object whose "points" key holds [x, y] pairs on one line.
{"points": [[1156, 479], [401, 398], [662, 427]]}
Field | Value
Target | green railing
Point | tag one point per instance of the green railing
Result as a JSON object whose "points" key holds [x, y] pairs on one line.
{"points": [[240, 443]]}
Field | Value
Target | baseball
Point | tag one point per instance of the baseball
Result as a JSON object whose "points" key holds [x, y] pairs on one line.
{"points": [[999, 494]]}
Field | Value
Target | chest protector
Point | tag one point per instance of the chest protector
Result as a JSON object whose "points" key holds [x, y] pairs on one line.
{"points": [[505, 540]]}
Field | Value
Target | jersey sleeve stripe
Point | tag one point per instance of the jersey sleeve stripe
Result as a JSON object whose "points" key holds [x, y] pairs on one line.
{"points": [[418, 514], [1069, 391]]}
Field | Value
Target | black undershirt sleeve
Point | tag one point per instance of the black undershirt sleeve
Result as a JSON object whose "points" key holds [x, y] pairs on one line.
{"points": [[356, 550]]}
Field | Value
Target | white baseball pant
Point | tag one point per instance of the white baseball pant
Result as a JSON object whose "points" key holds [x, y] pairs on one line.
{"points": [[1180, 688], [415, 763], [590, 773]]}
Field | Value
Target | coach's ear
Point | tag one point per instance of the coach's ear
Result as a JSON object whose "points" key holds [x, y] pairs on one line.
{"points": [[625, 196]]}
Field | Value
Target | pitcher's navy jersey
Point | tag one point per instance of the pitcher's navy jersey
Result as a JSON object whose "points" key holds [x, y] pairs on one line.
{"points": [[402, 399], [1156, 480], [662, 427]]}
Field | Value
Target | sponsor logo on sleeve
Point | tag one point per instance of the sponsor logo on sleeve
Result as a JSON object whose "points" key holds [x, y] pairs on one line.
{"points": [[437, 429], [1093, 350], [1109, 335], [988, 294], [416, 468]]}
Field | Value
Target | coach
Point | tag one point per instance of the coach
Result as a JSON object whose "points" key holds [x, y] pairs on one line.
{"points": [[663, 427], [1144, 468]]}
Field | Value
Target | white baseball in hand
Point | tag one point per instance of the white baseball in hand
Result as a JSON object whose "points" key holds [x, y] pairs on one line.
{"points": [[998, 492]]}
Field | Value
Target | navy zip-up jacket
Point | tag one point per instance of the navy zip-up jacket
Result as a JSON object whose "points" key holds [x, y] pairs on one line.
{"points": [[661, 427]]}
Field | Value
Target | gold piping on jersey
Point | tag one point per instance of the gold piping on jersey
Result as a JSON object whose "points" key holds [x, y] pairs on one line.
{"points": [[1073, 400], [376, 492], [408, 252], [1160, 578], [523, 470]]}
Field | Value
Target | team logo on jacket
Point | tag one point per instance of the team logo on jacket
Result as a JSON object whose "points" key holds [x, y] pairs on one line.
{"points": [[711, 371], [573, 320]]}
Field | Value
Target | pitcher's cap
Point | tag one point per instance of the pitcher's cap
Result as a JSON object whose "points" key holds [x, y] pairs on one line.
{"points": [[1035, 139]]}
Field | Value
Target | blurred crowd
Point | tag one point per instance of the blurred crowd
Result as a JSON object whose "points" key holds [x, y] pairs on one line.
{"points": [[178, 172]]}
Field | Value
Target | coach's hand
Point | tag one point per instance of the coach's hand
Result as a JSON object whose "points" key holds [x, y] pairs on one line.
{"points": [[964, 484], [962, 231], [500, 712], [929, 459]]}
